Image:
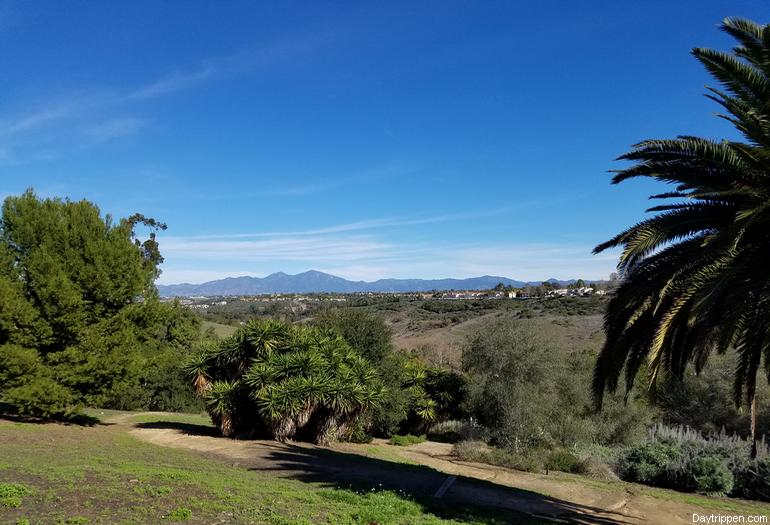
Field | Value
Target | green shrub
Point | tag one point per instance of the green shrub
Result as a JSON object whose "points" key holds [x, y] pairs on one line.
{"points": [[365, 333], [479, 452], [359, 435], [285, 381], [648, 463], [42, 397], [682, 459], [752, 480], [11, 494], [405, 441], [180, 514], [562, 460], [75, 520], [712, 475], [531, 395]]}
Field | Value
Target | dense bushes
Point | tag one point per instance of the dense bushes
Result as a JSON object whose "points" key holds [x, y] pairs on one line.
{"points": [[704, 400], [752, 480], [682, 459], [454, 431], [367, 334], [415, 395], [531, 396]]}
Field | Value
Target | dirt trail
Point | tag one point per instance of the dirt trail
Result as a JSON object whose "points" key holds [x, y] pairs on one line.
{"points": [[557, 497]]}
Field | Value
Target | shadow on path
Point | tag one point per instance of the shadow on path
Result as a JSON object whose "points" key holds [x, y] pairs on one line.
{"points": [[345, 470], [84, 420], [465, 498]]}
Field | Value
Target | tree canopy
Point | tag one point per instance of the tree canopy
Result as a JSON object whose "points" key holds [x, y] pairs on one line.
{"points": [[80, 320]]}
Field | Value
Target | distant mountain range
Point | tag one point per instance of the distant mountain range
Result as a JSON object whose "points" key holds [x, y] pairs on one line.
{"points": [[316, 282]]}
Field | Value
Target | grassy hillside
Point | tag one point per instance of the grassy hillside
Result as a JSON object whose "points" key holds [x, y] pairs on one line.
{"points": [[52, 473], [438, 330], [222, 330]]}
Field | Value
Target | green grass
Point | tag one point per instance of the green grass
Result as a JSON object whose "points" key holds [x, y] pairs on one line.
{"points": [[102, 474], [405, 441], [222, 330], [386, 454]]}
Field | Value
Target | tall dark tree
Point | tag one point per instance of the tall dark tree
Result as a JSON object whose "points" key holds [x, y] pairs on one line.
{"points": [[80, 321], [695, 276]]}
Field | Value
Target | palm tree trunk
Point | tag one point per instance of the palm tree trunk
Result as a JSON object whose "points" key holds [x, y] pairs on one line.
{"points": [[226, 425], [201, 384], [753, 427], [327, 430], [304, 415], [284, 428]]}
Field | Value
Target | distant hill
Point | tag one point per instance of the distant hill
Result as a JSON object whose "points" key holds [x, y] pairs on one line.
{"points": [[316, 282]]}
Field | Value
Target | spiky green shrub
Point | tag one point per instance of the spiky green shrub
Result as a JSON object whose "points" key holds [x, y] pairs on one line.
{"points": [[434, 395], [288, 381]]}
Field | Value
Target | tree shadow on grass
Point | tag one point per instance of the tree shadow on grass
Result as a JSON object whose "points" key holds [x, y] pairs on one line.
{"points": [[466, 497], [9, 413], [190, 429]]}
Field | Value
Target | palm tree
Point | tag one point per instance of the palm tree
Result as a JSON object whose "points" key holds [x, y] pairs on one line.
{"points": [[695, 276], [285, 379], [221, 402], [199, 367]]}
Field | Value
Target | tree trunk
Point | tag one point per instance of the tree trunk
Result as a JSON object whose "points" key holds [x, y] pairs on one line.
{"points": [[753, 427], [304, 415], [327, 430], [226, 425], [284, 428], [201, 384]]}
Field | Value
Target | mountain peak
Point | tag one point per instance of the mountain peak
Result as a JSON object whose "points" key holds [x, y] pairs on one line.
{"points": [[314, 281]]}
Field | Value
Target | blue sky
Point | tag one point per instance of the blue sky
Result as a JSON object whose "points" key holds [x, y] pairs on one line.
{"points": [[405, 139]]}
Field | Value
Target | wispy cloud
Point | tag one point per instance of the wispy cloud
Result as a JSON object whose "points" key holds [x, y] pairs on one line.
{"points": [[114, 128], [370, 258], [90, 114], [377, 223], [364, 250], [173, 82]]}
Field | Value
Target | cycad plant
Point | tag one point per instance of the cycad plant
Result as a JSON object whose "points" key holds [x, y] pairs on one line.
{"points": [[696, 275], [434, 395], [291, 381], [199, 366], [222, 402]]}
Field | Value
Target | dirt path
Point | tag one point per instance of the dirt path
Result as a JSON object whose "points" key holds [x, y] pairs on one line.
{"points": [[431, 471]]}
